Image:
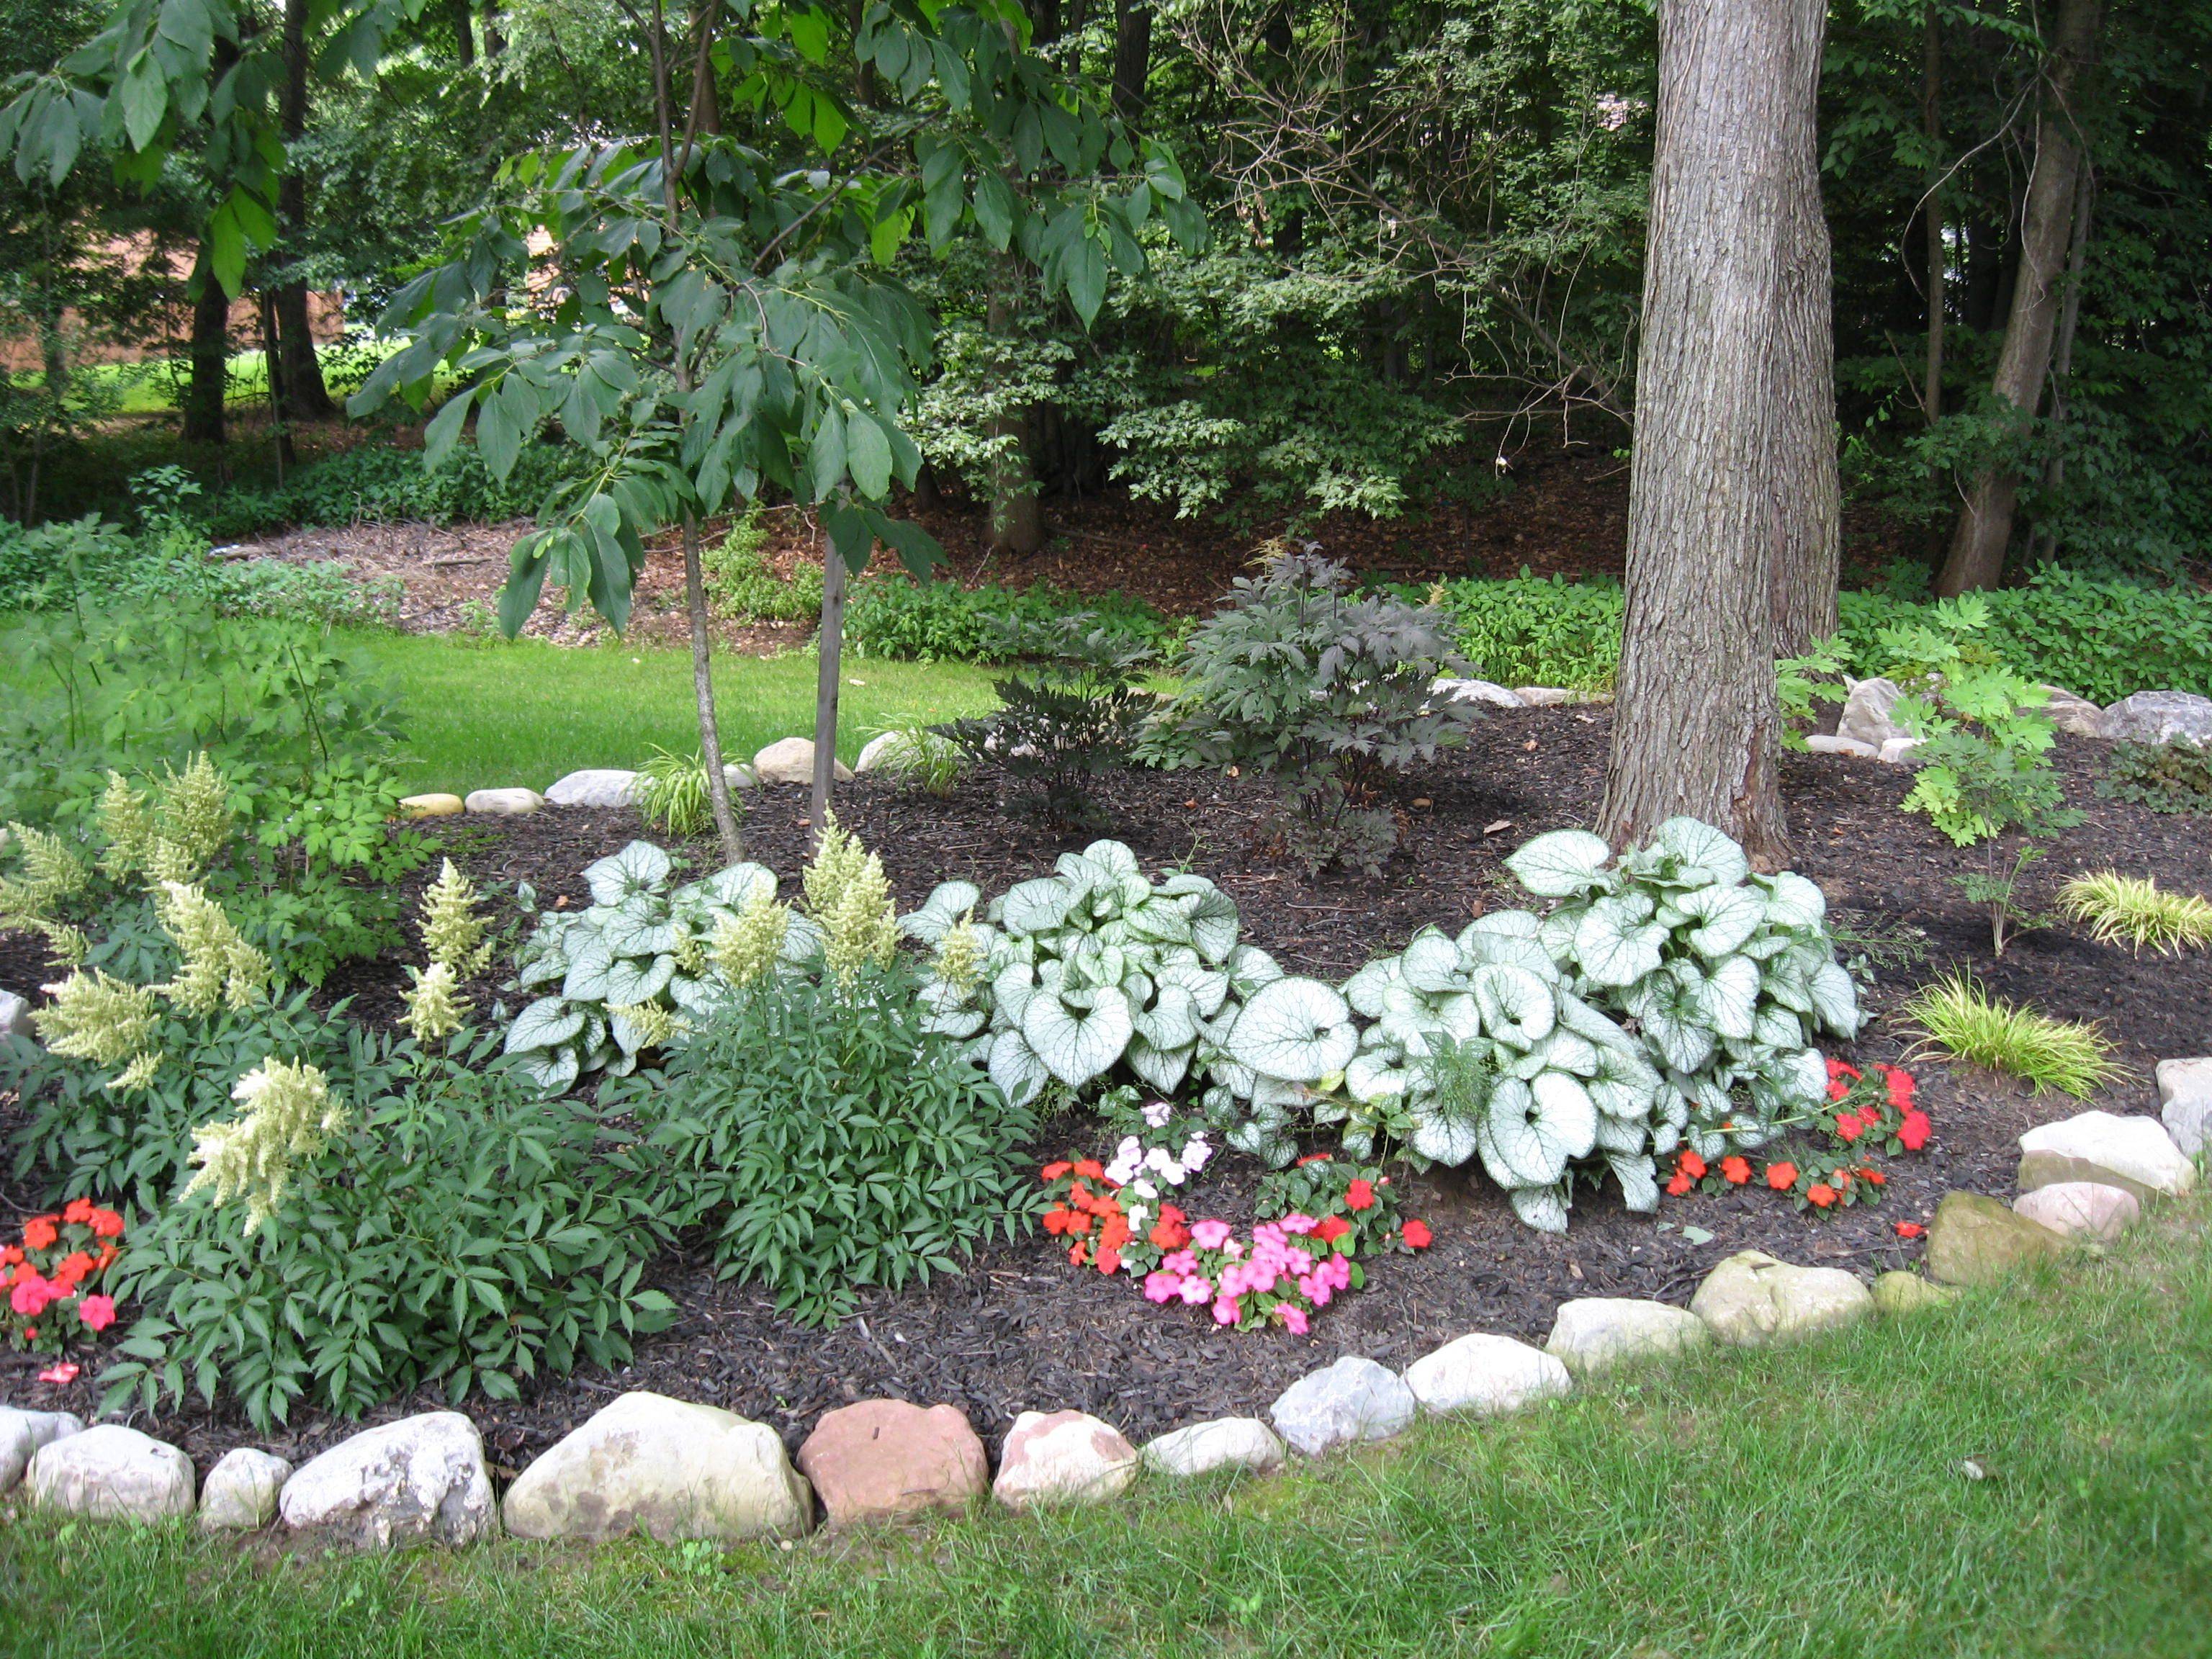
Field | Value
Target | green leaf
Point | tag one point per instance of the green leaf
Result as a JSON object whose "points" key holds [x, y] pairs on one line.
{"points": [[144, 95], [1087, 279], [868, 452]]}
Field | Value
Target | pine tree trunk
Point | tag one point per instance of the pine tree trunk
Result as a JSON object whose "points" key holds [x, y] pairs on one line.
{"points": [[301, 394], [1977, 558], [209, 357], [1695, 726]]}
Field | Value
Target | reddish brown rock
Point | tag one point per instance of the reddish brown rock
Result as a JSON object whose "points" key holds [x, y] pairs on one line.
{"points": [[884, 1457]]}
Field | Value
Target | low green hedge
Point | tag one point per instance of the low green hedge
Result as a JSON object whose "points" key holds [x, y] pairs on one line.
{"points": [[889, 616]]}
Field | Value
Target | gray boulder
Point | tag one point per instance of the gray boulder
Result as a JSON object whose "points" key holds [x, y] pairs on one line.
{"points": [[1062, 1457], [791, 760], [504, 803], [596, 785], [23, 1433], [2184, 1101], [1486, 1374], [2077, 715], [1593, 1332], [1352, 1401], [109, 1473], [2133, 1152], [665, 1467], [239, 1494], [1819, 744], [1975, 1240], [422, 1478], [14, 1015], [1897, 1293], [1753, 1300], [2158, 717], [1487, 691], [2081, 1209]]}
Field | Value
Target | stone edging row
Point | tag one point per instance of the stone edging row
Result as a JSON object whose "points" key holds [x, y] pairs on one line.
{"points": [[674, 1469]]}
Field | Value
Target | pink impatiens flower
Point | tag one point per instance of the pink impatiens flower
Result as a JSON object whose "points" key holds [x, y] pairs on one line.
{"points": [[1294, 1317], [1195, 1290], [63, 1373], [1295, 1223], [1224, 1311], [1210, 1235], [1162, 1286], [98, 1312]]}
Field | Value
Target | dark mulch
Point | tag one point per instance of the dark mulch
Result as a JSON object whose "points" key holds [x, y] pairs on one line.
{"points": [[1020, 1329]]}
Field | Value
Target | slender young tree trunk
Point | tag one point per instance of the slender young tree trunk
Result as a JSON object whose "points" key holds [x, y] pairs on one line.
{"points": [[1931, 127], [1133, 56], [706, 97], [273, 366], [1977, 558], [829, 648], [2044, 542], [1696, 729], [464, 32], [1017, 508], [209, 357], [1808, 490], [301, 394]]}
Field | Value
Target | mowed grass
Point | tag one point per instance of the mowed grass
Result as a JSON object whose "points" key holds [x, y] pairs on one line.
{"points": [[1817, 1503], [481, 717]]}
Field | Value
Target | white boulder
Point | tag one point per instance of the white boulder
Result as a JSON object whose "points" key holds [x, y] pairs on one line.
{"points": [[1226, 1442], [2077, 715], [23, 1433], [669, 1468], [109, 1473], [239, 1494], [1898, 751], [791, 760], [2133, 1152], [1352, 1401], [2158, 717], [2184, 1101], [1475, 692], [596, 786], [1486, 1374], [420, 1478], [1868, 713], [1820, 743], [14, 1015], [1752, 1299], [2081, 1209], [504, 803], [1593, 1332], [1062, 1457]]}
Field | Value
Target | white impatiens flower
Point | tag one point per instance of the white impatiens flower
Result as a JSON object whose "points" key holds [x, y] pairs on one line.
{"points": [[1157, 1114], [1195, 1153], [1128, 1158]]}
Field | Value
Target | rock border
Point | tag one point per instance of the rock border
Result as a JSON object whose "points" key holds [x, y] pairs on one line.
{"points": [[422, 1479]]}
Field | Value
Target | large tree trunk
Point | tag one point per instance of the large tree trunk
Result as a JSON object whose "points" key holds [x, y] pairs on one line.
{"points": [[1931, 128], [1696, 729], [209, 355], [465, 31], [1016, 525], [1133, 56], [1808, 489], [1977, 558], [300, 393]]}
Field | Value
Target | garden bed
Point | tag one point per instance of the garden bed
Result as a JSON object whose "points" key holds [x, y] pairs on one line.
{"points": [[1021, 1329]]}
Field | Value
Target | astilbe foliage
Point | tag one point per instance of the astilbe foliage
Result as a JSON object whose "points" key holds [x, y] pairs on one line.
{"points": [[1322, 690], [287, 1121]]}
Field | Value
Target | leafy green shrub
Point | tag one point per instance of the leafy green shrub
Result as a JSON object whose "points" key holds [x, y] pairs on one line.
{"points": [[374, 482], [322, 590], [923, 758], [1536, 630], [1325, 693], [833, 1141], [891, 616], [740, 584], [2174, 777], [1072, 710], [43, 562], [459, 1232]]}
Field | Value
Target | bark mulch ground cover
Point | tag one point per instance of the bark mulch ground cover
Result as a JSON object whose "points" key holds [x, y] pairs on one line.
{"points": [[1020, 1329]]}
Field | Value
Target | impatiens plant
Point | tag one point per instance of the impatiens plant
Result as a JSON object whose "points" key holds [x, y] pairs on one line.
{"points": [[1867, 1113], [1727, 977], [1479, 1048], [50, 1279]]}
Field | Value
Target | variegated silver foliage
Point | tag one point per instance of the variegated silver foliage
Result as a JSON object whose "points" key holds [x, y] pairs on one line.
{"points": [[1095, 974], [629, 971], [1727, 977]]}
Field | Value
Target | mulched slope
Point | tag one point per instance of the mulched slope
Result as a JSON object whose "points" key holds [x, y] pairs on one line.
{"points": [[1020, 1329]]}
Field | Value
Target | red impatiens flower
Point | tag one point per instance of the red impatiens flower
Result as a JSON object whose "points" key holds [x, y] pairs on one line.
{"points": [[40, 1232], [1691, 1165], [1109, 1258], [1910, 1230], [1053, 1171], [1849, 1126], [1682, 1183], [98, 1312], [1089, 1169], [1330, 1227], [106, 1224], [1315, 1157], [1898, 1085], [1872, 1177], [1820, 1194], [1075, 1256], [75, 1269], [1735, 1170], [1417, 1235], [77, 1212], [1913, 1132], [1782, 1176], [1359, 1195], [1058, 1219]]}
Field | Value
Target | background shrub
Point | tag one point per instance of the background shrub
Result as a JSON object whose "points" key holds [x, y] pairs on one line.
{"points": [[830, 1142], [891, 616], [375, 481], [1536, 630]]}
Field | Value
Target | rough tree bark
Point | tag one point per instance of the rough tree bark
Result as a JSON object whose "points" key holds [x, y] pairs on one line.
{"points": [[209, 355], [1977, 558], [2044, 542], [1696, 729], [1931, 128], [300, 393], [1133, 56], [1807, 489], [1016, 527]]}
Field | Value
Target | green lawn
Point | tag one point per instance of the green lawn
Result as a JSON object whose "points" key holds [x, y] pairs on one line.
{"points": [[1814, 1502], [488, 716]]}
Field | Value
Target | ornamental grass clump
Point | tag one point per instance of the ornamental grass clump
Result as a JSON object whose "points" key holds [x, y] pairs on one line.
{"points": [[1956, 1015], [2136, 911]]}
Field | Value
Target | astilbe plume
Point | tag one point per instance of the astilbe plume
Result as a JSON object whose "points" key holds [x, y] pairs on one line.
{"points": [[959, 960], [453, 934], [100, 1019], [193, 813], [219, 969], [49, 873], [849, 897], [435, 1007], [127, 827], [289, 1119], [657, 1026], [746, 945]]}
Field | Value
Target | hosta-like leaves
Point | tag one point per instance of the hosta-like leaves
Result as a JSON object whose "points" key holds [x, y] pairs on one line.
{"points": [[1374, 1074], [1431, 963], [1534, 1130], [1613, 943], [1162, 1068], [1561, 864], [1077, 1045], [1015, 1069], [1544, 1208], [1639, 1185], [1705, 854], [546, 1023], [1792, 902], [733, 887], [1366, 989], [1295, 1029], [1445, 1137], [1034, 907], [1729, 998], [948, 903], [1213, 925], [1835, 999], [1728, 917], [1516, 1006], [639, 979], [588, 962], [1171, 1022], [639, 867]]}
